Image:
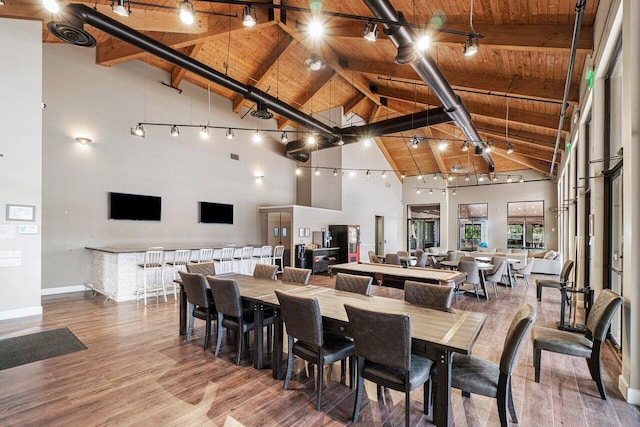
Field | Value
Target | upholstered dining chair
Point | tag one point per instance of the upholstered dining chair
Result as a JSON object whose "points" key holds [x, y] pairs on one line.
{"points": [[201, 303], [422, 260], [496, 275], [552, 283], [418, 253], [428, 295], [308, 340], [588, 345], [467, 258], [383, 349], [525, 271], [374, 258], [265, 271], [231, 315], [403, 253], [353, 283], [473, 275], [296, 275], [202, 268], [478, 376], [393, 259]]}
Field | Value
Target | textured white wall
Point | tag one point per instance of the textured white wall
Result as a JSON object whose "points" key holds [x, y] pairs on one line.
{"points": [[21, 164]]}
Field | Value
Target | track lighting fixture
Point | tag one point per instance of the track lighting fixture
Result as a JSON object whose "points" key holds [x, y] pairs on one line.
{"points": [[478, 150], [509, 179], [450, 178], [118, 7], [1, 2], [185, 11], [442, 146], [431, 191], [175, 131], [311, 139], [384, 174], [315, 62], [487, 149], [454, 192], [257, 137], [230, 133], [521, 179], [335, 172], [284, 137], [368, 174], [402, 175], [371, 31], [317, 172], [415, 141], [471, 46], [481, 178], [419, 176], [352, 173], [435, 176], [298, 171], [465, 146], [406, 55], [417, 191], [52, 5], [138, 131], [444, 192], [249, 18], [466, 177], [509, 148], [495, 178], [340, 141], [204, 132]]}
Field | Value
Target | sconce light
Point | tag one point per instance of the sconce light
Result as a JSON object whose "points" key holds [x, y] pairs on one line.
{"points": [[82, 140]]}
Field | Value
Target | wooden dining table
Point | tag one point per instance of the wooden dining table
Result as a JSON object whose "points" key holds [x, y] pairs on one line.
{"points": [[395, 276]]}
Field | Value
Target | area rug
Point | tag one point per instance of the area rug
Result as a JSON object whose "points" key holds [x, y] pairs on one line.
{"points": [[18, 351]]}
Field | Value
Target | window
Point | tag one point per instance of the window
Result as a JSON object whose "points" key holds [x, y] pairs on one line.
{"points": [[525, 224], [472, 225], [423, 227]]}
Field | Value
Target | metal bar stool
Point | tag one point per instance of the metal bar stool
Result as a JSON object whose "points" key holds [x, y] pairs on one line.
{"points": [[153, 263]]}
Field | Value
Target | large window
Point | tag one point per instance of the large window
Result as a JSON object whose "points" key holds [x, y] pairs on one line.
{"points": [[423, 227], [525, 224], [472, 225]]}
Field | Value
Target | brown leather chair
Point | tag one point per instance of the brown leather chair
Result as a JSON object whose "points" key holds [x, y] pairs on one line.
{"points": [[353, 283], [199, 296], [588, 345], [265, 271], [309, 341], [296, 275], [474, 375], [202, 268], [392, 259], [383, 349], [428, 295], [552, 283]]}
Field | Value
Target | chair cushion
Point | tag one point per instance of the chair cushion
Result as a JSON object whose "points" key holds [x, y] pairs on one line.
{"points": [[561, 342], [548, 283], [475, 375], [335, 348], [394, 377], [247, 322]]}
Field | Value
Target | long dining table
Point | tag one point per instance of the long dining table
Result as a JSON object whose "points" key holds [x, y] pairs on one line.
{"points": [[445, 332], [395, 276]]}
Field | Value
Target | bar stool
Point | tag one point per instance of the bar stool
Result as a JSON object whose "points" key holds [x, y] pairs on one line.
{"points": [[153, 263], [205, 255], [278, 254], [265, 255], [255, 258], [226, 260], [180, 259], [245, 260]]}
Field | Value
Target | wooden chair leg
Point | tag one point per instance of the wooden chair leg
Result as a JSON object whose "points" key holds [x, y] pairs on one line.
{"points": [[539, 291], [352, 372], [537, 356]]}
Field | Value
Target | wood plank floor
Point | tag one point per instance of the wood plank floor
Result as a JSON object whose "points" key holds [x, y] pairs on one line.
{"points": [[138, 371]]}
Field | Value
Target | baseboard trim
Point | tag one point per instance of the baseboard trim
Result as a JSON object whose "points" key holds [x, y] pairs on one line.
{"points": [[63, 290], [21, 312], [632, 395]]}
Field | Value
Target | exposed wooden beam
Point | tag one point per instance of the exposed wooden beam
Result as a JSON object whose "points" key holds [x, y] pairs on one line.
{"points": [[178, 73], [434, 149], [520, 160], [265, 69], [353, 103], [115, 51], [319, 82], [496, 133], [536, 38], [483, 83]]}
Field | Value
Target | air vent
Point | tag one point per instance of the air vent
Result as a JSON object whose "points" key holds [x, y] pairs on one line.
{"points": [[71, 32], [261, 112], [235, 156]]}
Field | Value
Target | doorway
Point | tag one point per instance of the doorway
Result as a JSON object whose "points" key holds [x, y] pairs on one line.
{"points": [[614, 273], [379, 237]]}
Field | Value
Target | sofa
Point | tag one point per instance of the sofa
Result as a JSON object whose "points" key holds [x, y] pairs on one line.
{"points": [[544, 261]]}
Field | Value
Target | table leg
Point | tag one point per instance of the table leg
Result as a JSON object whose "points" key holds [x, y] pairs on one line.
{"points": [[442, 408], [276, 358], [510, 274], [183, 311], [258, 335], [483, 284]]}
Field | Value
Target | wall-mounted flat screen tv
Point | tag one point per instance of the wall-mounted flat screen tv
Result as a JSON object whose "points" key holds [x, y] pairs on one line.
{"points": [[216, 213], [135, 207]]}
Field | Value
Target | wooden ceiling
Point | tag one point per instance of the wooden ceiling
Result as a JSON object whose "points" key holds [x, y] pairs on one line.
{"points": [[521, 68]]}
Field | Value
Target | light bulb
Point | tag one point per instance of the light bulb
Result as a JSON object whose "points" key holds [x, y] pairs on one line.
{"points": [[175, 131], [335, 172], [51, 5], [298, 170], [230, 133], [442, 146], [423, 42], [317, 172], [315, 28], [311, 140], [284, 137], [204, 133], [257, 137], [509, 179], [384, 174], [186, 12]]}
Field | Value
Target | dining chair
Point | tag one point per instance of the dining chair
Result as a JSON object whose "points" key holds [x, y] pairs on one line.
{"points": [[202, 268], [418, 253], [422, 260], [205, 255], [278, 257], [472, 374], [296, 275], [231, 315], [553, 283], [496, 275], [201, 303], [524, 272], [467, 258], [473, 275], [265, 255], [226, 260], [180, 259], [153, 263], [245, 260], [392, 259], [588, 345], [428, 295], [352, 283], [265, 271], [383, 350], [403, 253], [308, 340]]}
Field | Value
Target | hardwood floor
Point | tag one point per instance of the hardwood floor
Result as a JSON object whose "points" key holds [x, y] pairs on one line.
{"points": [[138, 371]]}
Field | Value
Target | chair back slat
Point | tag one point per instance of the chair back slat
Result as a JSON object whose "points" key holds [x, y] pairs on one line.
{"points": [[195, 287], [521, 323], [153, 259], [383, 338], [302, 317], [226, 296], [247, 252], [601, 314], [205, 254]]}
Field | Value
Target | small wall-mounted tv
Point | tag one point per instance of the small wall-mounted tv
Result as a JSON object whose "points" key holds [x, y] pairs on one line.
{"points": [[135, 207], [216, 213]]}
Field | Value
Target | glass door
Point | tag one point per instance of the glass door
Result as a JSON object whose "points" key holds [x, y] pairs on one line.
{"points": [[616, 250]]}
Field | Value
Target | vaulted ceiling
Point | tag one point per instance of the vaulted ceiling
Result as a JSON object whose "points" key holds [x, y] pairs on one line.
{"points": [[513, 87]]}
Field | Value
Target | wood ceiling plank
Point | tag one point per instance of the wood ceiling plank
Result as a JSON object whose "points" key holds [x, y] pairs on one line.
{"points": [[353, 103], [433, 145], [303, 104], [524, 161], [178, 73]]}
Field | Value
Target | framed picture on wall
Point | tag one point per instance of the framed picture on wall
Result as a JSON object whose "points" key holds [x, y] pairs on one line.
{"points": [[21, 213]]}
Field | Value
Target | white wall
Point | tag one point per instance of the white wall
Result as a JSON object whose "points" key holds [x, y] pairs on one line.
{"points": [[21, 164], [496, 195], [84, 99]]}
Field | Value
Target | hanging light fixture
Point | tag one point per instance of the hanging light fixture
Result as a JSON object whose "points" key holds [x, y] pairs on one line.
{"points": [[230, 133], [465, 146], [138, 131], [185, 11], [368, 174], [315, 62], [444, 192], [435, 176], [204, 132], [249, 18], [52, 5], [471, 46], [431, 191], [118, 7], [317, 172], [450, 178], [340, 141], [402, 175], [384, 174], [371, 31], [419, 176], [415, 141], [495, 178], [417, 190], [481, 178], [466, 177], [521, 179], [284, 137], [454, 191], [335, 172], [509, 179], [509, 148], [257, 137], [175, 131]]}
